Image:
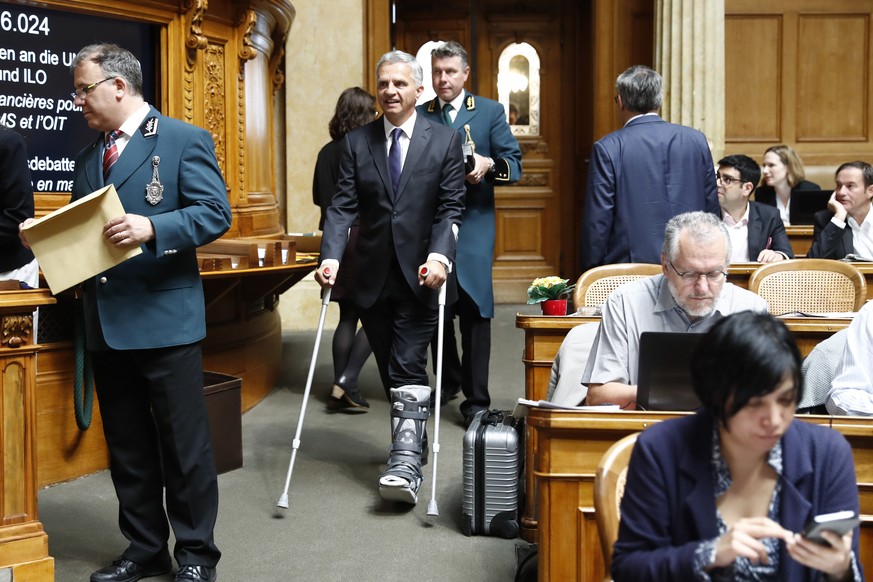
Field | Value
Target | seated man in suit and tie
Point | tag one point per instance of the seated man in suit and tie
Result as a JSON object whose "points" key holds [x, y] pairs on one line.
{"points": [[756, 230], [402, 176], [690, 296], [842, 230]]}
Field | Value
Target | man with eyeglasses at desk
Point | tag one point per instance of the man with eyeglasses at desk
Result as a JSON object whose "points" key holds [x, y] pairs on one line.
{"points": [[690, 296], [756, 230]]}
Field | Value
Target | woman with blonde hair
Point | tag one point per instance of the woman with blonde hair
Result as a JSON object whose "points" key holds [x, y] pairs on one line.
{"points": [[782, 175]]}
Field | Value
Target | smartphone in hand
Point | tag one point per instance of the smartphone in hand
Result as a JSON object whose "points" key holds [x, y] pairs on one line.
{"points": [[840, 522]]}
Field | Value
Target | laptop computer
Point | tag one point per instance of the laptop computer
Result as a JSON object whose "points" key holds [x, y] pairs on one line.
{"points": [[665, 371], [805, 203]]}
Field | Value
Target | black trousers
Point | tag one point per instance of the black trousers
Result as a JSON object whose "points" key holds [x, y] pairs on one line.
{"points": [[470, 370], [399, 327], [154, 420]]}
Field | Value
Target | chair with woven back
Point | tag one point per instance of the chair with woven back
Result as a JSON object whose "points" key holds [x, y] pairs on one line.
{"points": [[609, 481], [595, 285], [810, 286]]}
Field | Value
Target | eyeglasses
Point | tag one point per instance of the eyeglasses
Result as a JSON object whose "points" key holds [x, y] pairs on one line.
{"points": [[728, 180], [85, 91], [694, 276]]}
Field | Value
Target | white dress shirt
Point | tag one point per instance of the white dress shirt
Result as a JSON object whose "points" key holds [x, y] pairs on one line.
{"points": [[852, 388], [129, 127], [862, 237], [739, 234], [784, 210]]}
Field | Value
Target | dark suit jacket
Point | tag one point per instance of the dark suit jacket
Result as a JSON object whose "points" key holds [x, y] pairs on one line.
{"points": [[668, 505], [829, 241], [16, 197], [640, 177], [156, 298], [765, 223], [767, 194], [493, 138], [409, 226]]}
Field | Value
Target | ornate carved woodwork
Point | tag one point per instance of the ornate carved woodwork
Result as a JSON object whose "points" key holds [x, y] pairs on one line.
{"points": [[220, 65]]}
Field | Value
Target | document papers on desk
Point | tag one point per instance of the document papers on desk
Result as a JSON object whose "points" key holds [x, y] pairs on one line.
{"points": [[69, 243], [524, 404], [833, 315]]}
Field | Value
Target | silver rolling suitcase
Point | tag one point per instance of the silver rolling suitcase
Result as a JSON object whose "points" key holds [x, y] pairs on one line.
{"points": [[493, 479]]}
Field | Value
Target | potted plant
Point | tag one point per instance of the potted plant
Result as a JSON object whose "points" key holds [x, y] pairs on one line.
{"points": [[551, 293]]}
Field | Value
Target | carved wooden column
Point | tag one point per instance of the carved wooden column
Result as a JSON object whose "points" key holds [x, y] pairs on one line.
{"points": [[24, 553], [689, 54], [263, 52], [234, 58]]}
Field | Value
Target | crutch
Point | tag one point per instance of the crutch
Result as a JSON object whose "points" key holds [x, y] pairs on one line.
{"points": [[432, 508], [295, 444]]}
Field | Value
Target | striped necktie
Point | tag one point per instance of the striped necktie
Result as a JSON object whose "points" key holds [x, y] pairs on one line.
{"points": [[110, 155]]}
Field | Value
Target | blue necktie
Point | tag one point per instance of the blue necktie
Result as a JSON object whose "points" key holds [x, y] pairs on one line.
{"points": [[394, 166]]}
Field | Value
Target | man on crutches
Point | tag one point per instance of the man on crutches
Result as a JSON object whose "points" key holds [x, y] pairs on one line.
{"points": [[403, 176]]}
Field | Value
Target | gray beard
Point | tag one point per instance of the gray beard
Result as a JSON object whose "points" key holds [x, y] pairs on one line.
{"points": [[691, 313]]}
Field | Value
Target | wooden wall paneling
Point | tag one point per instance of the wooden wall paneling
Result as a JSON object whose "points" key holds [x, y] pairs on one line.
{"points": [[578, 128], [753, 80], [23, 542], [822, 81], [624, 31], [833, 83], [64, 452], [526, 243], [528, 213]]}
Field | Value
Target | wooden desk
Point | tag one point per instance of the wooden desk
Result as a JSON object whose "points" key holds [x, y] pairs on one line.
{"points": [[244, 339], [800, 238], [542, 338], [24, 548], [569, 446]]}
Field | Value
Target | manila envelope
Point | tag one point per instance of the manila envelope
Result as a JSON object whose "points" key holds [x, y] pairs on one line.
{"points": [[69, 243]]}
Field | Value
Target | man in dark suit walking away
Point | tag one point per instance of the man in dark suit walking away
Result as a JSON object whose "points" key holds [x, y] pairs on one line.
{"points": [[403, 177], [145, 318], [497, 160], [641, 176]]}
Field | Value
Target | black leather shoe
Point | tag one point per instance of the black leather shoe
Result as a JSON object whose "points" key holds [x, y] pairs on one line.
{"points": [[124, 570], [346, 398], [191, 573], [447, 394]]}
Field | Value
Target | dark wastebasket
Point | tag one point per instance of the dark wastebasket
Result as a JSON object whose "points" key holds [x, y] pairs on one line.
{"points": [[223, 407]]}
